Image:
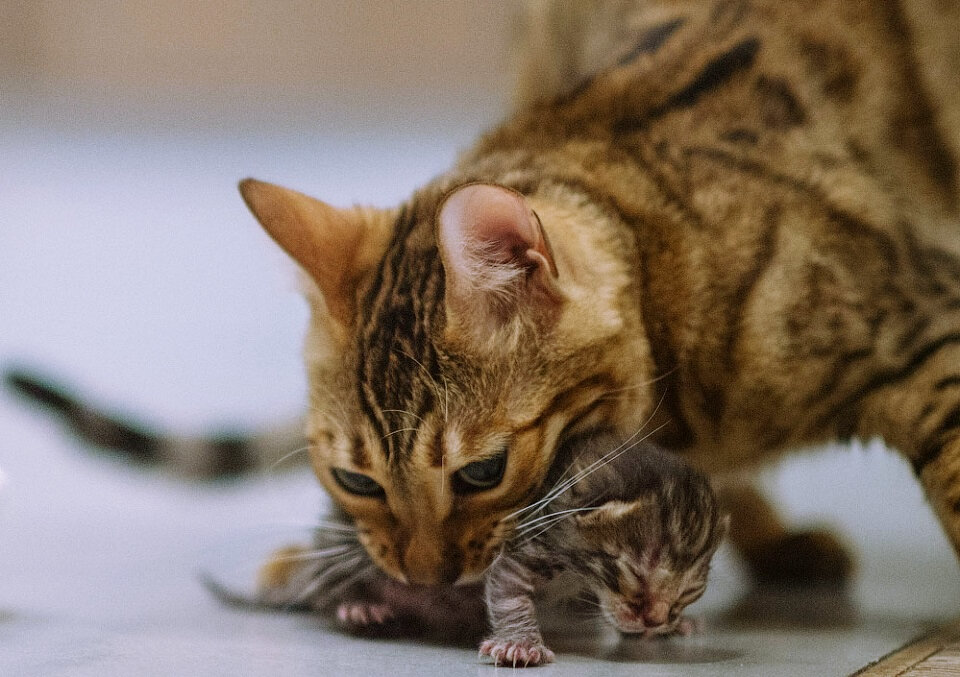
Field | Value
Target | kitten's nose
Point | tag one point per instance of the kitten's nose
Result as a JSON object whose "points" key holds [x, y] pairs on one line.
{"points": [[655, 613]]}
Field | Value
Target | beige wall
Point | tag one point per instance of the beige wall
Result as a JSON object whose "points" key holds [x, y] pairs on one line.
{"points": [[291, 52]]}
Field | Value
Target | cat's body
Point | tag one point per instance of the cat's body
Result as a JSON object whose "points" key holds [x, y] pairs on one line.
{"points": [[747, 210], [635, 527], [751, 214]]}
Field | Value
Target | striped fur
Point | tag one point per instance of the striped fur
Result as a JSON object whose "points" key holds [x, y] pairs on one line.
{"points": [[751, 207]]}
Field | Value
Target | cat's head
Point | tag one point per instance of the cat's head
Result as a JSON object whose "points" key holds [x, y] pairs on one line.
{"points": [[453, 342], [655, 552]]}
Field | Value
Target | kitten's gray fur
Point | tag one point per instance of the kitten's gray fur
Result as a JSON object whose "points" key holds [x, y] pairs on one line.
{"points": [[638, 527]]}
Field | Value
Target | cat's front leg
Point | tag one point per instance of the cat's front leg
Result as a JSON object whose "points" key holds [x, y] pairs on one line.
{"points": [[515, 639], [939, 472]]}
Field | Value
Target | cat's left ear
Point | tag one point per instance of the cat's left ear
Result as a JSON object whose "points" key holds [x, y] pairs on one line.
{"points": [[496, 256], [334, 246]]}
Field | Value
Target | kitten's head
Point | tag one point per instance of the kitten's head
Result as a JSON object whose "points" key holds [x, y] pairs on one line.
{"points": [[451, 346], [654, 551]]}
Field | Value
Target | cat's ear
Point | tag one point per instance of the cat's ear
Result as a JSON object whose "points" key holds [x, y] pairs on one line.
{"points": [[496, 257], [333, 246]]}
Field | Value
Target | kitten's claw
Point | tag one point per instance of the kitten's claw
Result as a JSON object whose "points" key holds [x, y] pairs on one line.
{"points": [[516, 653], [359, 615]]}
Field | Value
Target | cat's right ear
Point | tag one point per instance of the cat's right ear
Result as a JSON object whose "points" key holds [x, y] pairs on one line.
{"points": [[335, 247], [497, 259]]}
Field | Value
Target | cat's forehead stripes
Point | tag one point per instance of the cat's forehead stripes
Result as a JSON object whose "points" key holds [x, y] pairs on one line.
{"points": [[438, 449], [398, 372], [359, 455]]}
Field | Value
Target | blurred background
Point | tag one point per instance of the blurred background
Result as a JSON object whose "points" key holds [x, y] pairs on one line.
{"points": [[130, 268], [244, 61]]}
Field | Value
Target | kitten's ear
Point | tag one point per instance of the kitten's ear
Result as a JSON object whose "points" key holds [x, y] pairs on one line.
{"points": [[496, 257], [334, 246]]}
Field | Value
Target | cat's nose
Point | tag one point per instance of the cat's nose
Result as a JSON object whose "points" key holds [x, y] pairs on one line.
{"points": [[425, 565]]}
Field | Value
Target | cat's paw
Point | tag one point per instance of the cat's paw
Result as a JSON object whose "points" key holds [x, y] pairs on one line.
{"points": [[803, 559], [358, 616], [517, 653]]}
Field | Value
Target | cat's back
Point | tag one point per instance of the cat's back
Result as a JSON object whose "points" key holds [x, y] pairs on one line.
{"points": [[873, 80]]}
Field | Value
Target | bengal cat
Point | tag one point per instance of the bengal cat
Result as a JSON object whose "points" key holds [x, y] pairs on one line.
{"points": [[744, 209]]}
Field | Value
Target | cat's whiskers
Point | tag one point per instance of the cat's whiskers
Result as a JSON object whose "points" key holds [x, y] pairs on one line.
{"points": [[443, 474], [641, 384], [562, 486], [336, 526], [399, 430], [273, 466], [331, 420], [559, 486], [320, 582], [529, 525], [318, 555], [552, 519], [404, 412], [320, 388], [548, 521]]}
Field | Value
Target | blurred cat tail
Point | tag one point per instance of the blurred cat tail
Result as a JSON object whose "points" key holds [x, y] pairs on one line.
{"points": [[205, 457]]}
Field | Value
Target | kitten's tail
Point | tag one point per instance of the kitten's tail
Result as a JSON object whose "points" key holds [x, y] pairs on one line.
{"points": [[216, 456]]}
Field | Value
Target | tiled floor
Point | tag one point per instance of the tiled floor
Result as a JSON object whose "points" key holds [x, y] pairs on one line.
{"points": [[128, 263]]}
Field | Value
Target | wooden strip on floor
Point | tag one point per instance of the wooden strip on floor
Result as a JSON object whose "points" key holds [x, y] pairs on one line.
{"points": [[934, 655]]}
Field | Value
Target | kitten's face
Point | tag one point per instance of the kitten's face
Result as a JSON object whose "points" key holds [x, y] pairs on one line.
{"points": [[659, 560], [451, 345]]}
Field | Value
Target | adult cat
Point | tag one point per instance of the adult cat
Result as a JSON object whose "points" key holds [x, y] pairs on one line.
{"points": [[745, 210]]}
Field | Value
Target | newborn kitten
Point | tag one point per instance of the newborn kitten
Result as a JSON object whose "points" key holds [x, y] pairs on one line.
{"points": [[637, 525]]}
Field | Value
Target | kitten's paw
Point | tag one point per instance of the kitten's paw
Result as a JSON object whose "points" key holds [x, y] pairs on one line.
{"points": [[803, 558], [517, 653], [364, 615]]}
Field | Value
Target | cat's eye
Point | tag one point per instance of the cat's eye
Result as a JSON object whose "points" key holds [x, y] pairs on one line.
{"points": [[356, 483], [480, 475]]}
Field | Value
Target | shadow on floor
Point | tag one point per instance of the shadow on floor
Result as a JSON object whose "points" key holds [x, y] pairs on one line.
{"points": [[773, 608]]}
